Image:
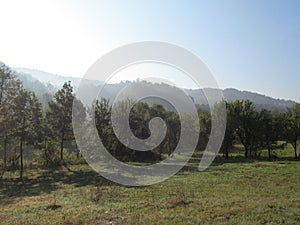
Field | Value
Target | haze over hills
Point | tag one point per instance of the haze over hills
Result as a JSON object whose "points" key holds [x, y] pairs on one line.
{"points": [[51, 82], [44, 82], [47, 78]]}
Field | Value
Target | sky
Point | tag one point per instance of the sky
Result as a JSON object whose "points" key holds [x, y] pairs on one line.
{"points": [[249, 45]]}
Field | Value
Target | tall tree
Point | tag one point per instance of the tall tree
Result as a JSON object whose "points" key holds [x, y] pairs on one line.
{"points": [[27, 114], [103, 112], [9, 90], [230, 131], [245, 116], [205, 130], [173, 130], [157, 110], [269, 127], [102, 117], [59, 115], [292, 126]]}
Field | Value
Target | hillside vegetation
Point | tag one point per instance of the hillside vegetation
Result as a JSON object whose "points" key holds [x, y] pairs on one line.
{"points": [[44, 179]]}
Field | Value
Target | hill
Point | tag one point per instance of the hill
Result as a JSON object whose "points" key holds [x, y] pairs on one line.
{"points": [[47, 78], [43, 82]]}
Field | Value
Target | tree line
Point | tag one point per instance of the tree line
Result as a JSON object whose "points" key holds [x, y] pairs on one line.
{"points": [[258, 130], [24, 122]]}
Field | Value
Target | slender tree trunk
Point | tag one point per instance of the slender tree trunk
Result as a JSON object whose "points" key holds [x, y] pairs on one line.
{"points": [[160, 153], [246, 152], [21, 158], [62, 149], [245, 148], [4, 158], [1, 90], [226, 154], [269, 152], [45, 152], [295, 148], [5, 154], [169, 145]]}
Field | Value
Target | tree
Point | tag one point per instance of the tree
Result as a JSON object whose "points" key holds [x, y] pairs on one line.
{"points": [[59, 115], [245, 116], [102, 119], [49, 154], [292, 126], [269, 129], [139, 117], [173, 130], [205, 130], [27, 115], [102, 116], [9, 90], [230, 132]]}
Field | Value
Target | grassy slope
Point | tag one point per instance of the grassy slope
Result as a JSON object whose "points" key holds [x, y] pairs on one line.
{"points": [[232, 193]]}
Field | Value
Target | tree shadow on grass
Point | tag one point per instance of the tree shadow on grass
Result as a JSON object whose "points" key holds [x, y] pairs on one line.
{"points": [[193, 164], [39, 182], [219, 160], [12, 189], [47, 181]]}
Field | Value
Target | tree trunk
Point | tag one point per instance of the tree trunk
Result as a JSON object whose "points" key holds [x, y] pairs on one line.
{"points": [[226, 154], [160, 153], [21, 158], [169, 146], [295, 148], [45, 152], [269, 152], [62, 150], [5, 155], [246, 152], [1, 90]]}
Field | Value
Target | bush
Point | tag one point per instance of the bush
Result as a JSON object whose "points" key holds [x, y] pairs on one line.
{"points": [[74, 158], [49, 155]]}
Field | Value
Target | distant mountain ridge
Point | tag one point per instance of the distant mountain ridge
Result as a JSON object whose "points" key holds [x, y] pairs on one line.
{"points": [[45, 77], [43, 82], [234, 94]]}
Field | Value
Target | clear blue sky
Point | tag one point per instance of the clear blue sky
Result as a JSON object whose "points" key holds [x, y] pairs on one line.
{"points": [[250, 45]]}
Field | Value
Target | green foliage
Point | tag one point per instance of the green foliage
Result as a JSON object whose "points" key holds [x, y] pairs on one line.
{"points": [[20, 115], [270, 130], [27, 112], [230, 132], [59, 115], [23, 123], [252, 192], [9, 90], [292, 126], [139, 118], [48, 155], [205, 129]]}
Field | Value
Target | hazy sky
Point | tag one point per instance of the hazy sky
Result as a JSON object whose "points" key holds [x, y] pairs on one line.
{"points": [[249, 45]]}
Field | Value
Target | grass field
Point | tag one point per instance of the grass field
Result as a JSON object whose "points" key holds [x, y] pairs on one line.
{"points": [[229, 192]]}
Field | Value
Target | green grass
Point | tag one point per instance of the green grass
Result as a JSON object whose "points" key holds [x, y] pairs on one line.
{"points": [[229, 192]]}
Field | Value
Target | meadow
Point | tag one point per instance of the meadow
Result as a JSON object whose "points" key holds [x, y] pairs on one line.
{"points": [[233, 191]]}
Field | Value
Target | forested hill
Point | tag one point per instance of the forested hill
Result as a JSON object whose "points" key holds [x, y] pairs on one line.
{"points": [[47, 78], [260, 101], [43, 82]]}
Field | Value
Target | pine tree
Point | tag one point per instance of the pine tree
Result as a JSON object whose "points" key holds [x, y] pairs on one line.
{"points": [[59, 115], [9, 90], [27, 117]]}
